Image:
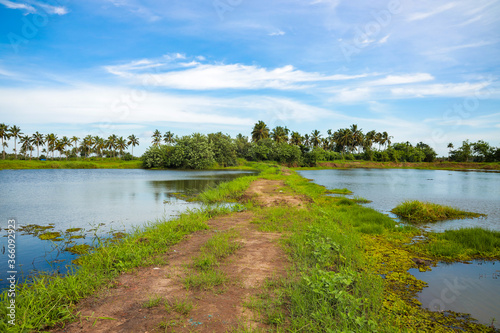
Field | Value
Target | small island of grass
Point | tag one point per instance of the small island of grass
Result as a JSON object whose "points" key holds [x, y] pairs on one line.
{"points": [[418, 211]]}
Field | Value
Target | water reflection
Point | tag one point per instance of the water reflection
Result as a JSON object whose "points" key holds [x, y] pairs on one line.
{"points": [[463, 287]]}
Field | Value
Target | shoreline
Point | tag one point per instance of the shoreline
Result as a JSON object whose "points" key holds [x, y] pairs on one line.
{"points": [[369, 246]]}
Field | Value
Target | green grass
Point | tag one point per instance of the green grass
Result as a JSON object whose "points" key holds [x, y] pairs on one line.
{"points": [[206, 274], [417, 211], [50, 299], [339, 191], [182, 306], [465, 244], [70, 164], [152, 302]]}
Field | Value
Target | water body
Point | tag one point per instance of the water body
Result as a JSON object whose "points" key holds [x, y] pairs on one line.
{"points": [[386, 188], [101, 201], [466, 288]]}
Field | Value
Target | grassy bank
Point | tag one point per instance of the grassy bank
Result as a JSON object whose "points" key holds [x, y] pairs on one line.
{"points": [[343, 164], [418, 211], [348, 266], [72, 164]]}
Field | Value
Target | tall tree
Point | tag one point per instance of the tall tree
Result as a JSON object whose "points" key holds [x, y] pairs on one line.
{"points": [[26, 144], [168, 138], [75, 140], [450, 147], [121, 145], [111, 144], [51, 140], [280, 134], [156, 138], [38, 139], [260, 131], [315, 138], [15, 132], [133, 141], [296, 139], [4, 135]]}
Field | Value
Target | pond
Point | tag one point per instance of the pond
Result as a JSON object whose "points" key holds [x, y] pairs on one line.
{"points": [[386, 188], [102, 202], [467, 288], [463, 287]]}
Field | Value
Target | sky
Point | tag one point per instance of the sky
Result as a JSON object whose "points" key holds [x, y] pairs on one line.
{"points": [[421, 70]]}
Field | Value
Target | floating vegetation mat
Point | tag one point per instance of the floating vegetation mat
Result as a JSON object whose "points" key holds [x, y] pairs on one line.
{"points": [[418, 211]]}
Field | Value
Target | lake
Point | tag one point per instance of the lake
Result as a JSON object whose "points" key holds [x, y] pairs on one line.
{"points": [[386, 188], [101, 201], [471, 288]]}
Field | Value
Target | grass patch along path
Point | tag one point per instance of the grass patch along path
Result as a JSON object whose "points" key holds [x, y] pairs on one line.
{"points": [[231, 279]]}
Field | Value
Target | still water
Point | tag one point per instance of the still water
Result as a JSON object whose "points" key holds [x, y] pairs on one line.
{"points": [[467, 288], [102, 202], [386, 188]]}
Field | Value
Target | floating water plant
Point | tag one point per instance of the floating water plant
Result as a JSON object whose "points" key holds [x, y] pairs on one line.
{"points": [[70, 230], [34, 229], [78, 249], [418, 211], [51, 236]]}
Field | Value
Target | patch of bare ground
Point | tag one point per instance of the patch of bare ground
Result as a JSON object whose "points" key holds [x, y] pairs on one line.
{"points": [[219, 310]]}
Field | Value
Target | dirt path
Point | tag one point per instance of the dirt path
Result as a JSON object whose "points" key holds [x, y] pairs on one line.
{"points": [[219, 310]]}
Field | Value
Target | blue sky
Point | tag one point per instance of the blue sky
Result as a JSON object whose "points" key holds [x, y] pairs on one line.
{"points": [[420, 70]]}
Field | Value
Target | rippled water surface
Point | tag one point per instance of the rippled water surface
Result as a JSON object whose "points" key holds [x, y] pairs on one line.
{"points": [[101, 201]]}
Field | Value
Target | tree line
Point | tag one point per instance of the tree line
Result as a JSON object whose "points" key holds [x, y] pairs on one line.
{"points": [[113, 146], [198, 151]]}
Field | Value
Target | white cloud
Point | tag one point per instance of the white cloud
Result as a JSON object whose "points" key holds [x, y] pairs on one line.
{"points": [[197, 76], [384, 39], [30, 6], [460, 47], [15, 5], [438, 10], [441, 90], [402, 79], [277, 33]]}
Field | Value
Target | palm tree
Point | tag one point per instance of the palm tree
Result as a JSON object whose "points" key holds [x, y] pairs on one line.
{"points": [[369, 140], [74, 140], [26, 144], [15, 132], [280, 134], [134, 141], [51, 140], [386, 138], [38, 139], [87, 144], [260, 131], [99, 145], [4, 135], [156, 138], [315, 138], [168, 138], [63, 144], [450, 147], [112, 139], [296, 139], [356, 137], [121, 144], [307, 140]]}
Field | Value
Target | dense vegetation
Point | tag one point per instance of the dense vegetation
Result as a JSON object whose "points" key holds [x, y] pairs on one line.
{"points": [[417, 211], [200, 151]]}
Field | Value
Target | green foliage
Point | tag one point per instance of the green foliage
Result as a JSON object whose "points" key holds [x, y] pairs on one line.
{"points": [[224, 149], [465, 243], [417, 211]]}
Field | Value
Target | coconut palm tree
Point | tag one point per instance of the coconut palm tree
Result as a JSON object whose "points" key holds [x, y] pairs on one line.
{"points": [[168, 138], [112, 140], [121, 145], [260, 131], [156, 138], [280, 134], [134, 141], [315, 138], [4, 135], [450, 147], [15, 132], [87, 145], [74, 140], [38, 139], [387, 139], [99, 145], [51, 140], [26, 144], [296, 139]]}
